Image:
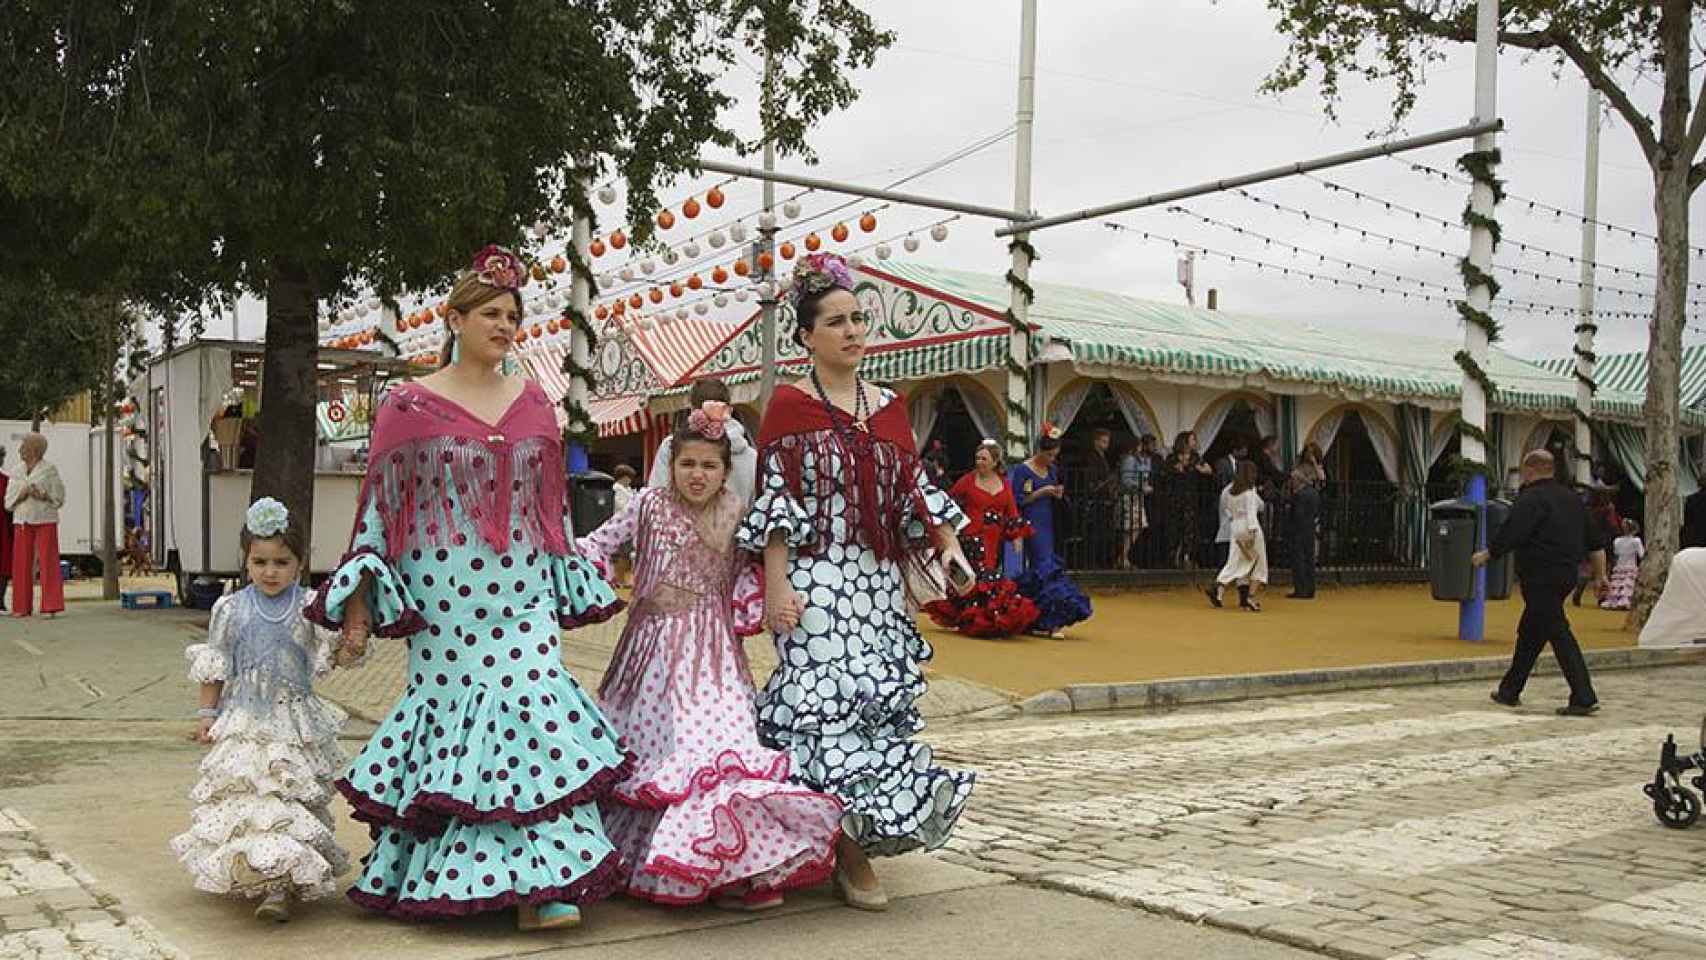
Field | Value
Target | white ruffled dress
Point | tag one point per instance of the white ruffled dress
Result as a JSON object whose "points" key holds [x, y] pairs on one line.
{"points": [[261, 821]]}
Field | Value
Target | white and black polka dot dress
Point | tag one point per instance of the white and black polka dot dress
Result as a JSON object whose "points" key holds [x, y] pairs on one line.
{"points": [[843, 699]]}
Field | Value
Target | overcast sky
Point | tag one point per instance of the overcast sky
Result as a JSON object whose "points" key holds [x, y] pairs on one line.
{"points": [[1136, 98]]}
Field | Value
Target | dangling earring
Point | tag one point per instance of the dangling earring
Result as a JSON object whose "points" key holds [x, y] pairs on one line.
{"points": [[509, 366], [455, 347]]}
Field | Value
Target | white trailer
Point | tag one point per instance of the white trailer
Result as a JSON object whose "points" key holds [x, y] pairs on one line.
{"points": [[79, 454], [197, 504]]}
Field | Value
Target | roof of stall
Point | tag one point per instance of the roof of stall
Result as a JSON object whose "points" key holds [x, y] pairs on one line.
{"points": [[1627, 373]]}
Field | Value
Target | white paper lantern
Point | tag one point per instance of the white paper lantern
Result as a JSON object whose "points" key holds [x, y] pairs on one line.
{"points": [[786, 284], [791, 210], [737, 232], [373, 303], [721, 299], [555, 299], [671, 257], [691, 250], [701, 308], [627, 274], [540, 229], [647, 266], [855, 260], [740, 296], [939, 232], [766, 290], [648, 323], [766, 221], [716, 240], [681, 313], [607, 195], [883, 251], [910, 243]]}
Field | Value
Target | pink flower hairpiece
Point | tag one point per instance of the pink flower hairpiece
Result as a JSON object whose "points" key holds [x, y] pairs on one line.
{"points": [[819, 272], [711, 420], [497, 267]]}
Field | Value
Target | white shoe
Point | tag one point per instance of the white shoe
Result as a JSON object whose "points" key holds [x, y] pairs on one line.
{"points": [[873, 899], [276, 907]]}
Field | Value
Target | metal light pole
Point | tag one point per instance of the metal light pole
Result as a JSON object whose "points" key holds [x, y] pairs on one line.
{"points": [[1019, 408], [1472, 613], [767, 244], [1585, 329]]}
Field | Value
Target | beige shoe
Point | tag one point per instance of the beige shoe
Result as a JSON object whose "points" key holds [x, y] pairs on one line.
{"points": [[873, 899], [276, 907]]}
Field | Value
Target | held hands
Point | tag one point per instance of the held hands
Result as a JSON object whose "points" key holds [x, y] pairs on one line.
{"points": [[352, 645], [201, 733], [783, 607]]}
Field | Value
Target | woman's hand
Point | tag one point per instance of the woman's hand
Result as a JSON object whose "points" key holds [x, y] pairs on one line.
{"points": [[202, 732], [358, 625]]}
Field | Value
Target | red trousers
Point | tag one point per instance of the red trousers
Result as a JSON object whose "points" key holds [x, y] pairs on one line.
{"points": [[41, 539]]}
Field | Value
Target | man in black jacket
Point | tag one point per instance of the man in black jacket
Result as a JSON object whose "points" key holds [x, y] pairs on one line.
{"points": [[1550, 532], [1694, 520]]}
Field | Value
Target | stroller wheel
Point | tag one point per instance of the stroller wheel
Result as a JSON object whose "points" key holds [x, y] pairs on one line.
{"points": [[1676, 806]]}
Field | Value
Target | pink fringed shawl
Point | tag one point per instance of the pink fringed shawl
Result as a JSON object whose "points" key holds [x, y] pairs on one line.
{"points": [[430, 456]]}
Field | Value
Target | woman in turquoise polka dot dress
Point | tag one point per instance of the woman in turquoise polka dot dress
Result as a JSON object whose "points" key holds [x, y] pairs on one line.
{"points": [[481, 785]]}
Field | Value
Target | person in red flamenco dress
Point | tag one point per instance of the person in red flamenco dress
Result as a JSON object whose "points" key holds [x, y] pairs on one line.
{"points": [[993, 607]]}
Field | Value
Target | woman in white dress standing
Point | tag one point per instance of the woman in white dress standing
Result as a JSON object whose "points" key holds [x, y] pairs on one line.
{"points": [[1247, 560]]}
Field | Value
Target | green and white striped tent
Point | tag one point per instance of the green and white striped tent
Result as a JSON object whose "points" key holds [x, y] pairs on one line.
{"points": [[1627, 373]]}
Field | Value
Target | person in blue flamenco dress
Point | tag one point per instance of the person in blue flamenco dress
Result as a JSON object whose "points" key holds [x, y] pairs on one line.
{"points": [[481, 786], [1036, 486]]}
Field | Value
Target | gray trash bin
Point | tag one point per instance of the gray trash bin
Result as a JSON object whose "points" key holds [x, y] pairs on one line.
{"points": [[1501, 572], [1451, 544], [592, 500]]}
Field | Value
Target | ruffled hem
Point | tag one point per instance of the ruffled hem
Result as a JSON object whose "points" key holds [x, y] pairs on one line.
{"points": [[429, 813], [727, 767], [304, 860], [587, 618], [811, 872], [582, 596], [992, 609], [289, 775], [307, 722], [1059, 601], [594, 885], [879, 834], [395, 613], [774, 510]]}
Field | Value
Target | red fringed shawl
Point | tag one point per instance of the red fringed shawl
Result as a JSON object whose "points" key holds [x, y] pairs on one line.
{"points": [[882, 493], [425, 447]]}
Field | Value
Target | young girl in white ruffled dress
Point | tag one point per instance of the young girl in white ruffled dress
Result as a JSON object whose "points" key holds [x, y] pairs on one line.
{"points": [[261, 827]]}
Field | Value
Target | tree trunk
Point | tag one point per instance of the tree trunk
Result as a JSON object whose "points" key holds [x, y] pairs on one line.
{"points": [[109, 543], [284, 461], [1663, 406]]}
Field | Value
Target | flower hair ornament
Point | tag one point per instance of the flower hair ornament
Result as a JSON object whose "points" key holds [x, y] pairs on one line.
{"points": [[1050, 431], [819, 272], [710, 421], [267, 518], [497, 267]]}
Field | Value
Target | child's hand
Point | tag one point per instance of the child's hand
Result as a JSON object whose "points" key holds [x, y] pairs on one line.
{"points": [[783, 607], [202, 731]]}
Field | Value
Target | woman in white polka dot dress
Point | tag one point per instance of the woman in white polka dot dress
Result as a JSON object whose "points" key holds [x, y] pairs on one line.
{"points": [[709, 812], [842, 509]]}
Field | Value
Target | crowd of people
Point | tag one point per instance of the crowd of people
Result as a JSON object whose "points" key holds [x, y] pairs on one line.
{"points": [[497, 781]]}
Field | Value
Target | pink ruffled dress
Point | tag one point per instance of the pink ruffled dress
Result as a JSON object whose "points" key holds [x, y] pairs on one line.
{"points": [[707, 810]]}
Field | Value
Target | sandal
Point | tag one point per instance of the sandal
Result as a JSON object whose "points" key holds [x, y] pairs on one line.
{"points": [[1214, 596]]}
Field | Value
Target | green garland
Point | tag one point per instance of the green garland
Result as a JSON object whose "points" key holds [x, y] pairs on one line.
{"points": [[1471, 219], [1478, 165], [580, 429], [1017, 411], [1474, 276]]}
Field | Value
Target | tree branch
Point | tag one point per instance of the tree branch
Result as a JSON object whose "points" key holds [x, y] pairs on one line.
{"points": [[1696, 125], [1696, 176], [1601, 81]]}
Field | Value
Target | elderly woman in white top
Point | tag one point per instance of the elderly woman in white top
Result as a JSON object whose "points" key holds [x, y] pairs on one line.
{"points": [[34, 495]]}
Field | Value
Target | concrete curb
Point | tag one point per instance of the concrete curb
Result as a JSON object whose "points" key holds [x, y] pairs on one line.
{"points": [[1085, 697]]}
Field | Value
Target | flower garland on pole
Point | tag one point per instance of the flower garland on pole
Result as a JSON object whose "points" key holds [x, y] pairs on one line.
{"points": [[1479, 165], [583, 340], [1018, 353]]}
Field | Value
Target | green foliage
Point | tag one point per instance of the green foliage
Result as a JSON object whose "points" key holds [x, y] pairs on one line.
{"points": [[58, 345]]}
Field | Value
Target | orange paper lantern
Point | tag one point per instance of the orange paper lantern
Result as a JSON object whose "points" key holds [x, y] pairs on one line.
{"points": [[558, 264], [597, 248], [535, 331], [538, 271], [601, 313], [839, 232], [521, 336], [618, 240], [868, 222], [619, 307], [657, 295], [553, 326], [666, 220], [694, 283], [690, 209], [787, 251], [719, 275], [440, 309], [675, 290], [715, 198], [813, 242], [636, 301], [741, 269]]}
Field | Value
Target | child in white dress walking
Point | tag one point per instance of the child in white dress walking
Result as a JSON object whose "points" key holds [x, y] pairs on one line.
{"points": [[261, 827], [1627, 552]]}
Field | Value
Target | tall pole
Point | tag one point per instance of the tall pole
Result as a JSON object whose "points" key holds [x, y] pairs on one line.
{"points": [[580, 348], [1472, 613], [767, 244], [109, 473], [1586, 328], [1019, 409]]}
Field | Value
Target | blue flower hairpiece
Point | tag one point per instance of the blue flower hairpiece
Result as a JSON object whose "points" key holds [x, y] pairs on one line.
{"points": [[267, 518]]}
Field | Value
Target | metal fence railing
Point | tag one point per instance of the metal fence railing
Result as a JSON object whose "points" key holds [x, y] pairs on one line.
{"points": [[1368, 527]]}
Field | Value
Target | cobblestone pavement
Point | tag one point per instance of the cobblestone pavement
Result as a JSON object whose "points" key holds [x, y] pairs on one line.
{"points": [[1419, 823], [51, 909]]}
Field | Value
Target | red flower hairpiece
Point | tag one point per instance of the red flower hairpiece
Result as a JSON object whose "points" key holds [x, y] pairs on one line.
{"points": [[497, 267]]}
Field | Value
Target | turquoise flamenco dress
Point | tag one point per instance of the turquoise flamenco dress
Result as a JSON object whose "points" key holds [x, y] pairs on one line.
{"points": [[481, 786]]}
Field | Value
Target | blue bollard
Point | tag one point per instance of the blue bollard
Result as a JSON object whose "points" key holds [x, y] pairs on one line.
{"points": [[1472, 613]]}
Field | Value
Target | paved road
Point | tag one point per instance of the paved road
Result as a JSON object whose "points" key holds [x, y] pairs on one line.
{"points": [[1405, 823]]}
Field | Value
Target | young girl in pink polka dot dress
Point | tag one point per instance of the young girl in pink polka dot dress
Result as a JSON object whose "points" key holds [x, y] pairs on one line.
{"points": [[708, 813]]}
